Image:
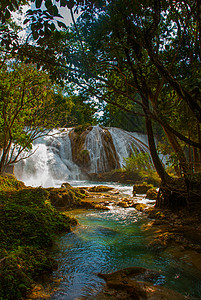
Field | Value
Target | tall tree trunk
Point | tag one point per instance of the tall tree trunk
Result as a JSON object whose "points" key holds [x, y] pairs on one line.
{"points": [[199, 140], [179, 152], [196, 160], [153, 151]]}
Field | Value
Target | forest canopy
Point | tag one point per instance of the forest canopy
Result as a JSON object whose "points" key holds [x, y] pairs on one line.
{"points": [[141, 57]]}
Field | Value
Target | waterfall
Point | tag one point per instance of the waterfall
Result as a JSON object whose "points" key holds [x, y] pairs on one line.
{"points": [[51, 161], [125, 143], [54, 160], [94, 144]]}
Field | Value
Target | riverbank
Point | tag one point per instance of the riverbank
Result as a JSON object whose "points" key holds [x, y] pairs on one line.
{"points": [[29, 225], [33, 217]]}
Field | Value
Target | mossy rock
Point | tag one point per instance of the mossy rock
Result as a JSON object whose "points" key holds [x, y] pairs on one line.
{"points": [[66, 185], [92, 205], [81, 128], [140, 206], [141, 188], [123, 204], [152, 194], [10, 183], [100, 189], [65, 197]]}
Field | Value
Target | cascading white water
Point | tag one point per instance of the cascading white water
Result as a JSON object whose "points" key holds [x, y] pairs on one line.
{"points": [[52, 160], [94, 144], [125, 143]]}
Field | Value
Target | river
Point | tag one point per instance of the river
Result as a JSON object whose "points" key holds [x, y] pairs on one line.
{"points": [[105, 241]]}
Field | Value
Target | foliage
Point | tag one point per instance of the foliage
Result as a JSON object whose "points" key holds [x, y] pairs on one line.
{"points": [[138, 161], [140, 59], [115, 117], [83, 112], [142, 56], [139, 164], [81, 128], [30, 106], [29, 223]]}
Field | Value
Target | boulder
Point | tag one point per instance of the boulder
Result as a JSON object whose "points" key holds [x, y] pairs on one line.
{"points": [[66, 185], [100, 189], [140, 206], [152, 194], [141, 188]]}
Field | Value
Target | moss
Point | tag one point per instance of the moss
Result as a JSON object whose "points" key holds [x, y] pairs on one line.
{"points": [[10, 183], [29, 224], [65, 197], [100, 189], [81, 128], [152, 194]]}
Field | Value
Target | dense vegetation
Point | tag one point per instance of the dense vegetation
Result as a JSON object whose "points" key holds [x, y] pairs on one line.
{"points": [[29, 225], [142, 57], [137, 60]]}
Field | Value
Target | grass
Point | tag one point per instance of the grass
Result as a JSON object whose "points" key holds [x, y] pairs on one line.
{"points": [[29, 224]]}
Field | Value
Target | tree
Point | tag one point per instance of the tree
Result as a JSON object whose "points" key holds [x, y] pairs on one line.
{"points": [[136, 53], [83, 111], [30, 107]]}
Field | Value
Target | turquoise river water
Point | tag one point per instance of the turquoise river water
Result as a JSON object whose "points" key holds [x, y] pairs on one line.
{"points": [[105, 241]]}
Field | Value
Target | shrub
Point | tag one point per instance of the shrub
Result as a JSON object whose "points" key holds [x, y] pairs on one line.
{"points": [[29, 224]]}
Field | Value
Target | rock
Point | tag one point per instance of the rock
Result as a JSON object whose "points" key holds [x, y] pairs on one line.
{"points": [[66, 185], [129, 284], [140, 206], [83, 191], [64, 198], [123, 204], [141, 188], [152, 194], [100, 189], [92, 205]]}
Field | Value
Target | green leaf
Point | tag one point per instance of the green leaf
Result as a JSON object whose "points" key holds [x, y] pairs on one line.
{"points": [[63, 3], [26, 21], [38, 3], [48, 4], [70, 4], [7, 14], [35, 34], [55, 10], [61, 24]]}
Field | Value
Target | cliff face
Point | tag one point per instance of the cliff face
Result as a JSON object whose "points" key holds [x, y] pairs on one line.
{"points": [[93, 150], [80, 154]]}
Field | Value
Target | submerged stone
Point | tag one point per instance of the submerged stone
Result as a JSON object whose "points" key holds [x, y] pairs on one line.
{"points": [[129, 283]]}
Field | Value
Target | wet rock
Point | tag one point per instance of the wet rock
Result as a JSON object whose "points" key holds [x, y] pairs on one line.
{"points": [[66, 185], [152, 194], [140, 206], [92, 205], [141, 188], [161, 241], [100, 189], [64, 198], [123, 204], [129, 284]]}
